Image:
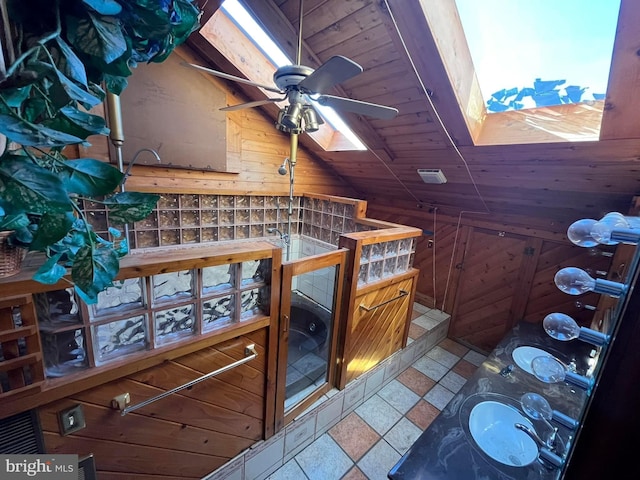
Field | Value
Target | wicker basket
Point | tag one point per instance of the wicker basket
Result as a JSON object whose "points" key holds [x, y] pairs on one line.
{"points": [[10, 257]]}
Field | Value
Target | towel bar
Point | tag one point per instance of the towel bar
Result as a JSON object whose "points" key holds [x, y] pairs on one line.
{"points": [[403, 293]]}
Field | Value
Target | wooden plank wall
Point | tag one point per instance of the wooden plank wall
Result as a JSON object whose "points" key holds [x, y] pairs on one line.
{"points": [[185, 435], [255, 150], [490, 274]]}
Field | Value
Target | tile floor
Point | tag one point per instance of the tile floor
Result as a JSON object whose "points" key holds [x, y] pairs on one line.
{"points": [[361, 432]]}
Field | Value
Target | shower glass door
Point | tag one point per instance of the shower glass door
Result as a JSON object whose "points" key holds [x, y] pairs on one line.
{"points": [[309, 309]]}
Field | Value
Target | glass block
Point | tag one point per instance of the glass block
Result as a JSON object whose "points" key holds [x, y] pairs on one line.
{"points": [[168, 201], [306, 229], [349, 211], [377, 251], [249, 305], [190, 218], [362, 274], [257, 216], [389, 267], [217, 312], [242, 201], [243, 215], [405, 245], [326, 206], [122, 296], [218, 277], [209, 217], [257, 231], [225, 233], [209, 201], [169, 218], [114, 339], [98, 221], [402, 265], [270, 216], [174, 323], [271, 202], [226, 217], [172, 286], [58, 308], [189, 201], [316, 204], [316, 218], [315, 232], [150, 222], [209, 235], [241, 231], [147, 239], [64, 352], [349, 225], [226, 201], [338, 209], [326, 221], [325, 235], [375, 271], [255, 271], [190, 235], [337, 224], [169, 237], [257, 201], [335, 238], [391, 249]]}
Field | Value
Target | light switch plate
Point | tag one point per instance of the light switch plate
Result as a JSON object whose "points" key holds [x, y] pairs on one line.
{"points": [[71, 420]]}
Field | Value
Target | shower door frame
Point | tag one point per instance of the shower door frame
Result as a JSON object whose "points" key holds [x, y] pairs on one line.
{"points": [[290, 269]]}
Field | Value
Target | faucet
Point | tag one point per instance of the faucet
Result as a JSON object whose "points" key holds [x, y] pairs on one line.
{"points": [[545, 449], [133, 160], [283, 236]]}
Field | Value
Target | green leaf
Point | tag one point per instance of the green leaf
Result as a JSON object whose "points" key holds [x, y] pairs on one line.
{"points": [[128, 207], [73, 91], [90, 177], [115, 84], [98, 36], [27, 187], [73, 66], [104, 7], [15, 96], [33, 108], [51, 271], [34, 135], [52, 228], [14, 222], [94, 269], [94, 124]]}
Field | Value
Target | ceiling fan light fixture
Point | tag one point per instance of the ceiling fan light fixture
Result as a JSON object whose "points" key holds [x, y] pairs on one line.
{"points": [[291, 116], [310, 120]]}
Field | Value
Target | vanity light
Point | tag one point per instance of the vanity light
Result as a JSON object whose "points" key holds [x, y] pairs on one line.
{"points": [[550, 370], [611, 229], [564, 328], [575, 281]]}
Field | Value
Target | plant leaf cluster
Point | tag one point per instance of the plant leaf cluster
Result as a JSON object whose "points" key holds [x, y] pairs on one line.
{"points": [[64, 54]]}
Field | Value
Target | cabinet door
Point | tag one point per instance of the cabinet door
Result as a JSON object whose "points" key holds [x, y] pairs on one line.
{"points": [[187, 434], [378, 326]]}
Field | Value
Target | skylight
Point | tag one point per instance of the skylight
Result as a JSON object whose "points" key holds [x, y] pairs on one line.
{"points": [[260, 38], [540, 53]]}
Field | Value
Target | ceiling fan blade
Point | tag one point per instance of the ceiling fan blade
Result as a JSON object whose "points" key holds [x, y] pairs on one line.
{"points": [[335, 70], [356, 106], [255, 103], [232, 77]]}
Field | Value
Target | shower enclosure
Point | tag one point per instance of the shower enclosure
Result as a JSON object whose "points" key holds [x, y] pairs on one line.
{"points": [[309, 311]]}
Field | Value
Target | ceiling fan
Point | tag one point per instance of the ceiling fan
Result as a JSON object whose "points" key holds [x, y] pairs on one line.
{"points": [[303, 87]]}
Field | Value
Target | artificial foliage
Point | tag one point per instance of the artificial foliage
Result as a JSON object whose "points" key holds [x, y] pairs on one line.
{"points": [[64, 55]]}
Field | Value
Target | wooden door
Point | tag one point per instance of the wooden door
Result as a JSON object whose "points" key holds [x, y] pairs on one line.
{"points": [[490, 278]]}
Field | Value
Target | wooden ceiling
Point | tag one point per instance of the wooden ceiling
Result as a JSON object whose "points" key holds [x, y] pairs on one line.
{"points": [[506, 166]]}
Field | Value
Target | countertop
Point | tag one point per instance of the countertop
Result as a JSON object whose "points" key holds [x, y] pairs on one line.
{"points": [[446, 450]]}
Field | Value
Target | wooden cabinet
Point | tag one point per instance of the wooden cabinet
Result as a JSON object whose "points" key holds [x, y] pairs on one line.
{"points": [[377, 324]]}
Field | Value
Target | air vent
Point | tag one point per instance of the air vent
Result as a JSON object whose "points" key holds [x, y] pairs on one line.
{"points": [[432, 175]]}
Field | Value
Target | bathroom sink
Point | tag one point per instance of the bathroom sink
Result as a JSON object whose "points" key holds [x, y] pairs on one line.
{"points": [[492, 426], [524, 355]]}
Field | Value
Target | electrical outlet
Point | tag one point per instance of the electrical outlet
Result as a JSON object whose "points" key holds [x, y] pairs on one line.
{"points": [[71, 420]]}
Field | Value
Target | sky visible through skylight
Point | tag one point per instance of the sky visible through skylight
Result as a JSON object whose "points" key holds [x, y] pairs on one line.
{"points": [[515, 42]]}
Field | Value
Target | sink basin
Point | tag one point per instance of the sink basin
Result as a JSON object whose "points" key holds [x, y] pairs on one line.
{"points": [[492, 426], [524, 355]]}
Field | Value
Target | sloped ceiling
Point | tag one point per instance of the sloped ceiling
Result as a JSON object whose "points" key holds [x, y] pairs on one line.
{"points": [[556, 180]]}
